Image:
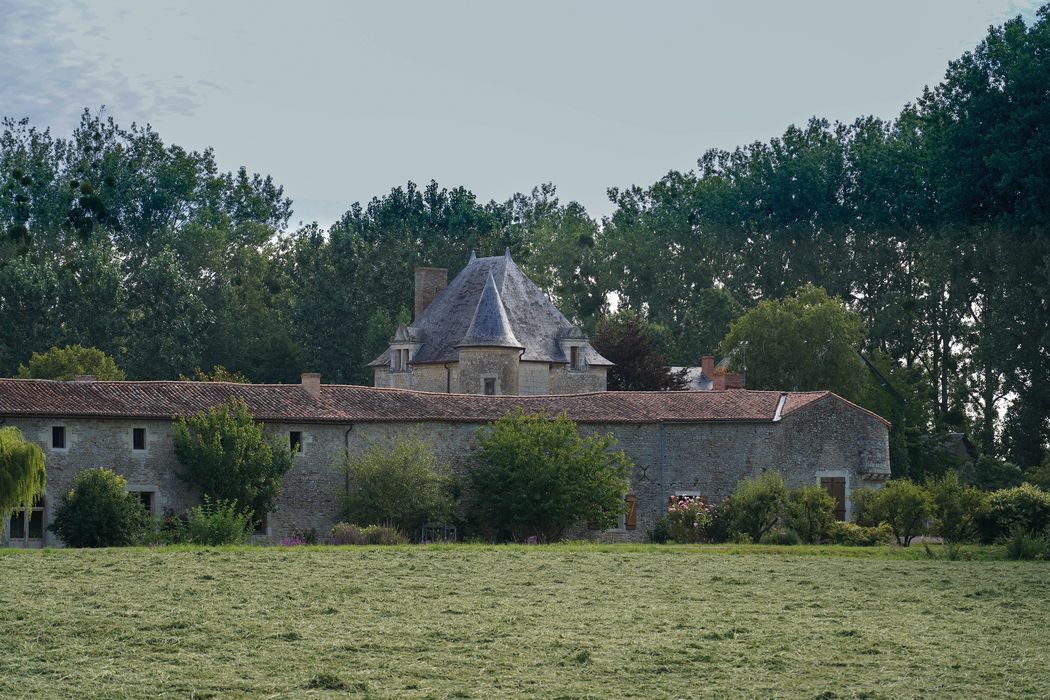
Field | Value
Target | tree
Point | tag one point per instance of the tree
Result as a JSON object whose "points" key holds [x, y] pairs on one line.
{"points": [[401, 484], [70, 362], [810, 511], [98, 511], [804, 343], [535, 475], [226, 455], [638, 349], [22, 473], [904, 506], [757, 505], [956, 509]]}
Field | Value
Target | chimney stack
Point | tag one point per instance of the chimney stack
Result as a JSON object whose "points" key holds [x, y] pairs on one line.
{"points": [[312, 383], [718, 382], [430, 281], [707, 363]]}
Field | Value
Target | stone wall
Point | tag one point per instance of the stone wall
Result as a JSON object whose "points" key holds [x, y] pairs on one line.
{"points": [[477, 364], [827, 438], [464, 377], [566, 381]]}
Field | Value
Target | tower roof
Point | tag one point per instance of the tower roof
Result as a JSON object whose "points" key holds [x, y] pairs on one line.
{"points": [[489, 326], [529, 317]]}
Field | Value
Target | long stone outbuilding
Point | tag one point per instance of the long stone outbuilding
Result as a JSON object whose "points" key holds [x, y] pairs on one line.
{"points": [[681, 443]]}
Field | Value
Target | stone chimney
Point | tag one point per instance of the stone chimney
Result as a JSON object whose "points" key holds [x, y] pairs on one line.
{"points": [[312, 383], [707, 363], [430, 281]]}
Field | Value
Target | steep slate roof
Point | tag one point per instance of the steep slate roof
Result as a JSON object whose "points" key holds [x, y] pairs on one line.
{"points": [[489, 327], [533, 320], [341, 403]]}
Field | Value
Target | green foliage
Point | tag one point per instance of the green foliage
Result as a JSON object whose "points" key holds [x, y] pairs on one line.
{"points": [[853, 535], [1025, 545], [992, 474], [534, 475], [218, 373], [638, 350], [22, 473], [865, 511], [225, 454], [70, 362], [806, 342], [756, 505], [903, 505], [216, 522], [348, 533], [956, 509], [1040, 476], [686, 522], [810, 511], [1025, 508], [401, 484], [98, 512]]}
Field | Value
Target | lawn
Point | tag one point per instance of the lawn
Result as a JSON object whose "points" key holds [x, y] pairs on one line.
{"points": [[493, 622]]}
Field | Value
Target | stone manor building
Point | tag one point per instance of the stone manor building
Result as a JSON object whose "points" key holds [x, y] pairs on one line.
{"points": [[681, 443], [491, 332]]}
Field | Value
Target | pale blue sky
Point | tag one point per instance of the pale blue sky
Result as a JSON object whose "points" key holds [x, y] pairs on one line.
{"points": [[341, 101]]}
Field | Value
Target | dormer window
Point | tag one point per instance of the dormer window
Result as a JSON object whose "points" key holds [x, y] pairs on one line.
{"points": [[399, 359], [576, 359]]}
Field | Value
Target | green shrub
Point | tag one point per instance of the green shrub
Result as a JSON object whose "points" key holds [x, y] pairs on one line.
{"points": [[1027, 545], [227, 456], [865, 513], [531, 475], [687, 520], [991, 474], [1025, 508], [218, 522], [956, 509], [348, 533], [98, 512], [853, 535], [661, 532], [756, 505], [809, 512], [401, 484], [782, 536], [720, 523], [161, 530], [22, 473], [904, 506]]}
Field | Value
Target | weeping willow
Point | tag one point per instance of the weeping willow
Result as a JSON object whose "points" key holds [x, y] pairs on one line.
{"points": [[22, 476]]}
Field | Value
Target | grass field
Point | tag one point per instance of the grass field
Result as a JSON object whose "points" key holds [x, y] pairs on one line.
{"points": [[491, 622]]}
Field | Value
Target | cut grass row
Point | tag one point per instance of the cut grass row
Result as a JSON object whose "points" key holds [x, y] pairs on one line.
{"points": [[484, 621]]}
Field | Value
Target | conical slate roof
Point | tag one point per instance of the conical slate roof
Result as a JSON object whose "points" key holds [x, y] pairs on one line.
{"points": [[489, 327], [529, 317]]}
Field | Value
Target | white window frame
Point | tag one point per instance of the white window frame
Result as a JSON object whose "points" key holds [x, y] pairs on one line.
{"points": [[27, 542]]}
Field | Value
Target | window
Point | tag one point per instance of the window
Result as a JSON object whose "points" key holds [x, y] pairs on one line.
{"points": [[574, 357], [404, 360], [631, 519], [138, 438], [295, 440], [836, 487], [58, 437], [26, 528], [490, 386], [395, 361], [146, 498]]}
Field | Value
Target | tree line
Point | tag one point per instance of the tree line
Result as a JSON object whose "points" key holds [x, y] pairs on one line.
{"points": [[930, 229]]}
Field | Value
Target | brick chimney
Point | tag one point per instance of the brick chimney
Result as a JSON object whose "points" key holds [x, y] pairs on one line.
{"points": [[312, 383], [734, 380], [707, 363], [718, 382], [430, 281]]}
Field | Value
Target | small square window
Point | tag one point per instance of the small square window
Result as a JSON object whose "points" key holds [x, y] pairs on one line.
{"points": [[58, 437], [138, 439], [146, 498], [295, 440], [490, 386]]}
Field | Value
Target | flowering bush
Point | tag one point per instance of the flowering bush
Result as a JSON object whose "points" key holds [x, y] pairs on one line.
{"points": [[688, 518]]}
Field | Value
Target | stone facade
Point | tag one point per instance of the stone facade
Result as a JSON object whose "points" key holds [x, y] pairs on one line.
{"points": [[826, 437]]}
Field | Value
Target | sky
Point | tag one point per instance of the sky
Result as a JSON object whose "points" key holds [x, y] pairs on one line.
{"points": [[342, 101]]}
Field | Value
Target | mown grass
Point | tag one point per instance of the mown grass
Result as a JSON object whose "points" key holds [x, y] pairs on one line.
{"points": [[578, 621]]}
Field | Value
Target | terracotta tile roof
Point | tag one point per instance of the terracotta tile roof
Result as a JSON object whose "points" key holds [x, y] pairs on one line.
{"points": [[338, 403]]}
